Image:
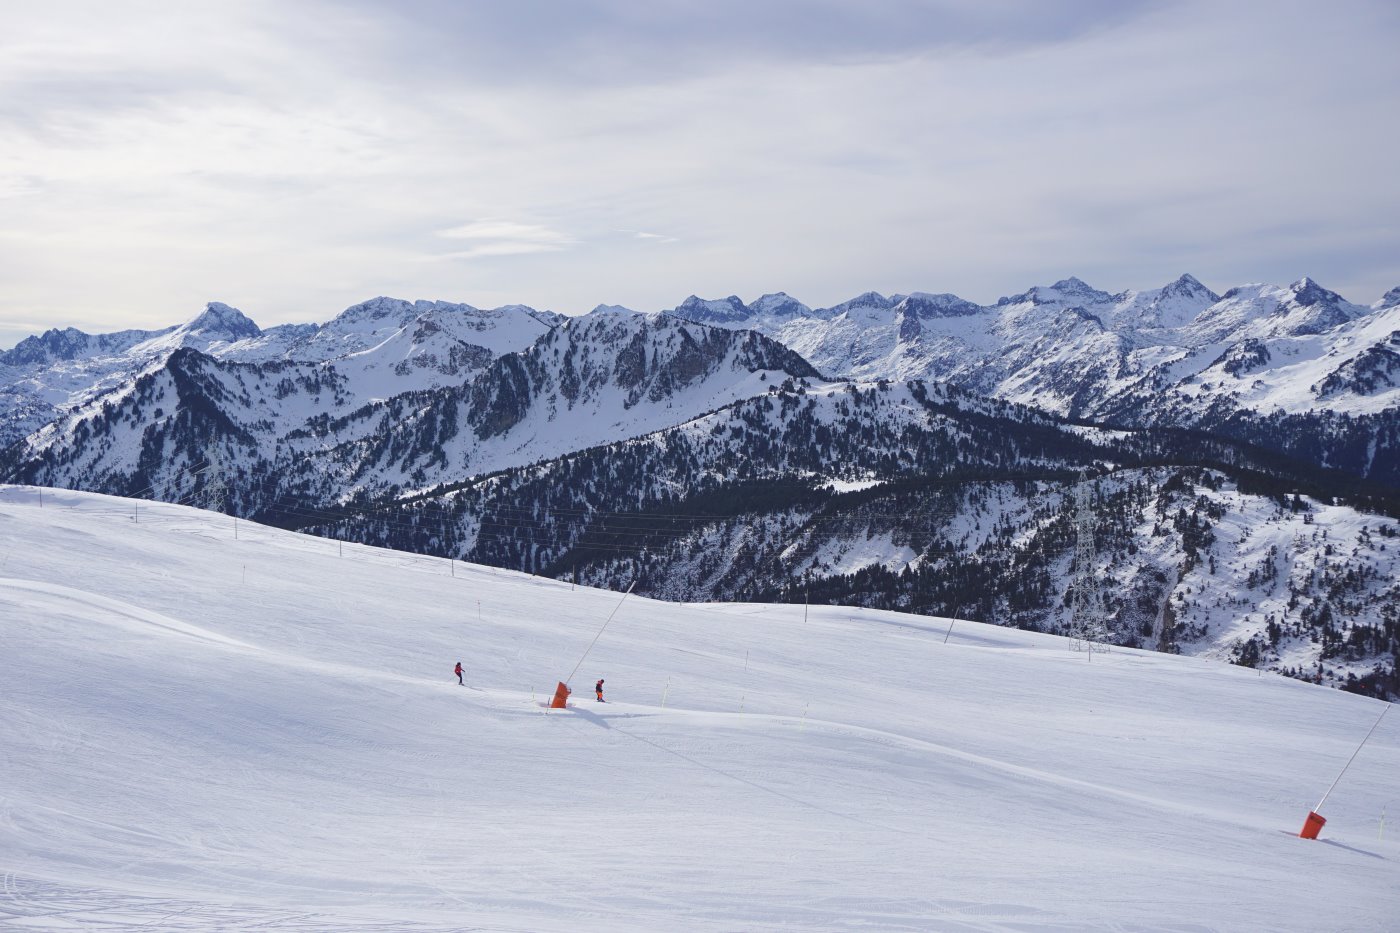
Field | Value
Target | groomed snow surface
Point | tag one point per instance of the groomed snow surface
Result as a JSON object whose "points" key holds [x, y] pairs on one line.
{"points": [[199, 732]]}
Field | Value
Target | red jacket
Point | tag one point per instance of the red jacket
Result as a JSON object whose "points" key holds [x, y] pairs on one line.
{"points": [[458, 668]]}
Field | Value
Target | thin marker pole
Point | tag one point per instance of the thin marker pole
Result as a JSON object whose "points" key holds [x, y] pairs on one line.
{"points": [[665, 693], [1318, 808]]}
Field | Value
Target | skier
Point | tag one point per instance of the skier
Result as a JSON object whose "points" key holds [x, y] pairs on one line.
{"points": [[598, 689], [458, 671]]}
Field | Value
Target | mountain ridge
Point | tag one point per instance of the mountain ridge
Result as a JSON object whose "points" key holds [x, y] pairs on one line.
{"points": [[514, 418]]}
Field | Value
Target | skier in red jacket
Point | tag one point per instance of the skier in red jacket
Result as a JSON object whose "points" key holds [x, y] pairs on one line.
{"points": [[458, 671], [598, 689]]}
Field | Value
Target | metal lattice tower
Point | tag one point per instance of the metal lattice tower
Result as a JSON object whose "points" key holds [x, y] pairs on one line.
{"points": [[215, 489], [1088, 626]]}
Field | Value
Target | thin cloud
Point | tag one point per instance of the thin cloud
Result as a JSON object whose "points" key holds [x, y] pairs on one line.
{"points": [[657, 237], [503, 238], [508, 231]]}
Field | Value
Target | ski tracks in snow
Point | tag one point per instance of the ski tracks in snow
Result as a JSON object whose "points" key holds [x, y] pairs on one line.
{"points": [[885, 738], [32, 904]]}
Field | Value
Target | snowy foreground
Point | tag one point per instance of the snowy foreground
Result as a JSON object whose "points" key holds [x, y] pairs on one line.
{"points": [[203, 733]]}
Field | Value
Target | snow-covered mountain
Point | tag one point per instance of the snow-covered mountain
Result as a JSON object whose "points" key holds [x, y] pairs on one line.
{"points": [[220, 727], [1068, 347], [307, 429], [44, 376], [422, 333], [592, 380], [381, 347], [1178, 355], [514, 437], [1262, 311]]}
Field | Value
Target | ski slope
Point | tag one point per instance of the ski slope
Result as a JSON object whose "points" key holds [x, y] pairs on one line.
{"points": [[203, 732]]}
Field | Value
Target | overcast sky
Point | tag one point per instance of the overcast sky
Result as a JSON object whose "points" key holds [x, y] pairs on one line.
{"points": [[293, 158]]}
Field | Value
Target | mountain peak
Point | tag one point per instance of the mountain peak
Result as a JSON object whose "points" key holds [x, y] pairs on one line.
{"points": [[712, 311], [1390, 299], [53, 344], [864, 300], [780, 303], [1076, 288], [1306, 292], [1072, 290], [942, 305], [1188, 285], [375, 309], [225, 321], [869, 298], [1073, 285]]}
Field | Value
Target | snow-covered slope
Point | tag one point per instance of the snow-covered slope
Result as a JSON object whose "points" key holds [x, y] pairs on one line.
{"points": [[1353, 368], [204, 731], [1261, 311]]}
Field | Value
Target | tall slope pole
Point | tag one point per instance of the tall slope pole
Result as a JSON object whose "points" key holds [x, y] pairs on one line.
{"points": [[561, 692], [1315, 821]]}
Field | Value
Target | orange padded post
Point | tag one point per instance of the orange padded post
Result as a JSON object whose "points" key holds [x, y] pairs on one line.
{"points": [[1312, 825], [561, 696]]}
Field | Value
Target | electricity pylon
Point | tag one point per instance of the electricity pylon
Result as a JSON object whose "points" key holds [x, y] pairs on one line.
{"points": [[1088, 625], [215, 489]]}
